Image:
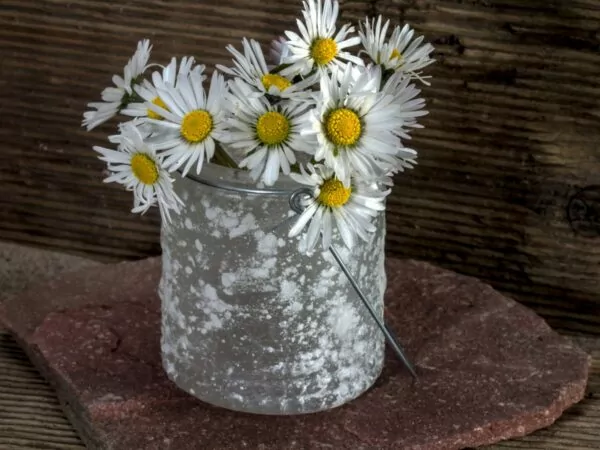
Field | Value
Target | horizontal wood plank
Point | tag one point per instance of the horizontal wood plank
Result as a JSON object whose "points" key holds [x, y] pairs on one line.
{"points": [[510, 141]]}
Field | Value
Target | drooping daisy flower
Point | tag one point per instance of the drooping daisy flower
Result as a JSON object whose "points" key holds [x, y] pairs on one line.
{"points": [[269, 135], [115, 98], [143, 130], [252, 68], [409, 106], [190, 122], [147, 90], [137, 167], [278, 51], [400, 52], [318, 45], [350, 209], [355, 125]]}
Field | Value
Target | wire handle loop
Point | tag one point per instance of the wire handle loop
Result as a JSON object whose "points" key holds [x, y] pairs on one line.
{"points": [[297, 207]]}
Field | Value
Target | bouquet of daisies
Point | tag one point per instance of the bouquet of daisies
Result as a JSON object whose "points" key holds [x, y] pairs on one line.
{"points": [[334, 120]]}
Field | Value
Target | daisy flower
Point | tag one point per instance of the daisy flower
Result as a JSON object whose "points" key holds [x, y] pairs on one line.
{"points": [[354, 125], [318, 45], [350, 209], [278, 50], [141, 126], [190, 122], [269, 135], [407, 101], [400, 52], [114, 98], [137, 167], [252, 68], [148, 90]]}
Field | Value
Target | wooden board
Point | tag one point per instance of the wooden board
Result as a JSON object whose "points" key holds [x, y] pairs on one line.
{"points": [[507, 185]]}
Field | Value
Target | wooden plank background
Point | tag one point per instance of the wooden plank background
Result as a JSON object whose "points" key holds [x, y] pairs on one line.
{"points": [[507, 188]]}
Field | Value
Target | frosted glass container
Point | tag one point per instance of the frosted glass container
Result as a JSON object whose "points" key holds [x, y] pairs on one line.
{"points": [[249, 323]]}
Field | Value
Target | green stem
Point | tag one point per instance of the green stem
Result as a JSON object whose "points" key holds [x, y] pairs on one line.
{"points": [[222, 158], [386, 76]]}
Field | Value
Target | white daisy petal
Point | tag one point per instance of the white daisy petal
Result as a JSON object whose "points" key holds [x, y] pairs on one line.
{"points": [[271, 171], [115, 98], [358, 123], [350, 209], [345, 231], [400, 53], [268, 134], [312, 234], [304, 218], [191, 121], [278, 51], [138, 167], [251, 67], [318, 45], [327, 230]]}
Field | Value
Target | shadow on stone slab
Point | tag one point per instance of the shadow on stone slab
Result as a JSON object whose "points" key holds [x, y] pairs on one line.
{"points": [[489, 368]]}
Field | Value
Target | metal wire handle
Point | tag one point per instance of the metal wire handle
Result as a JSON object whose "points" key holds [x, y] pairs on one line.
{"points": [[298, 208]]}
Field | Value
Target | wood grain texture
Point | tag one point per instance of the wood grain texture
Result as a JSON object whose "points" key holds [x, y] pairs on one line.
{"points": [[30, 415], [510, 141]]}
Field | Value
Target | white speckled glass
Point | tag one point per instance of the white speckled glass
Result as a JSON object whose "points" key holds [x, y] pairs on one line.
{"points": [[250, 324]]}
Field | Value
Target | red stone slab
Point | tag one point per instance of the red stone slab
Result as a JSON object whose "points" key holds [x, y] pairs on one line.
{"points": [[490, 369]]}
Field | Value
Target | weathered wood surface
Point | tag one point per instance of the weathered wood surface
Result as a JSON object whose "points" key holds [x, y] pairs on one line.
{"points": [[509, 146]]}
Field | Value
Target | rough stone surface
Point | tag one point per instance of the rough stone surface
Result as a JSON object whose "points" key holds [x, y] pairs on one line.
{"points": [[21, 267], [489, 369]]}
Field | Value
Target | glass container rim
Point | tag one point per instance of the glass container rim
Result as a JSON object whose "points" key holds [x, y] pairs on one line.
{"points": [[239, 180]]}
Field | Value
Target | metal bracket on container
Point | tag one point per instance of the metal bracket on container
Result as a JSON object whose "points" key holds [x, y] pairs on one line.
{"points": [[296, 205]]}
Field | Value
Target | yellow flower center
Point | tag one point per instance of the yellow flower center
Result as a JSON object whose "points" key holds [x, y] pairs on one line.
{"points": [[396, 54], [144, 168], [196, 125], [323, 50], [272, 128], [343, 127], [333, 193], [158, 102], [271, 79]]}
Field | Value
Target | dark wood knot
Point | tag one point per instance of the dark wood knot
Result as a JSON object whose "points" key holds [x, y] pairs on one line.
{"points": [[583, 212]]}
